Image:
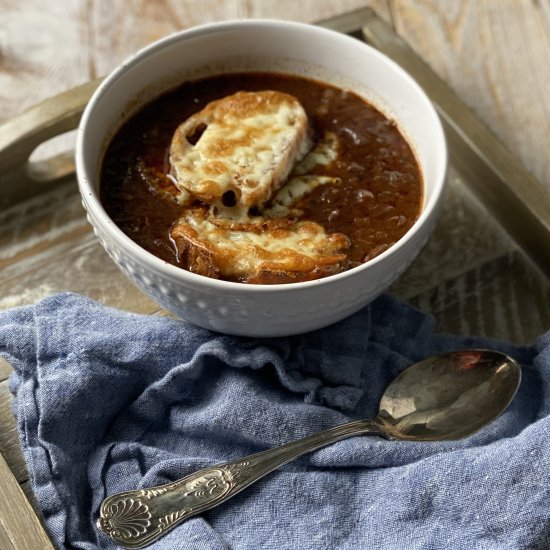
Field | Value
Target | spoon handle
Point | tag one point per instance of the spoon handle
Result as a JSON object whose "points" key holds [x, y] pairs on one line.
{"points": [[134, 519]]}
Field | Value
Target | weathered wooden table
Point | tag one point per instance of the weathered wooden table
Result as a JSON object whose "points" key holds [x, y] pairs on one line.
{"points": [[473, 276]]}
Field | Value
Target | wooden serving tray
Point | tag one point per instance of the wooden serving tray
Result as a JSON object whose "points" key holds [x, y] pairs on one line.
{"points": [[485, 271]]}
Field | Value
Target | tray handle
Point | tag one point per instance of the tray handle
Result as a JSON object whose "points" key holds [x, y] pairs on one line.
{"points": [[20, 136]]}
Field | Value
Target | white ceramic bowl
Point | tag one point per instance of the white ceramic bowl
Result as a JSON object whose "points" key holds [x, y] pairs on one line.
{"points": [[261, 310]]}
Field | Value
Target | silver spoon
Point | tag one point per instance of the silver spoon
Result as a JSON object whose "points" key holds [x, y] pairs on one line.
{"points": [[445, 397]]}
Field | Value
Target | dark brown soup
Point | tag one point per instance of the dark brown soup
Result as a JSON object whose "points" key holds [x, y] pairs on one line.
{"points": [[378, 200]]}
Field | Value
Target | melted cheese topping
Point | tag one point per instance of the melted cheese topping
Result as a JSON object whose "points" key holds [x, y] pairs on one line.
{"points": [[265, 251], [296, 188], [281, 206], [248, 144], [324, 152], [300, 184]]}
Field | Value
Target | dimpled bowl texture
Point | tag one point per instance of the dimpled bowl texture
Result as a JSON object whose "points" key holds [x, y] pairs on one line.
{"points": [[260, 45]]}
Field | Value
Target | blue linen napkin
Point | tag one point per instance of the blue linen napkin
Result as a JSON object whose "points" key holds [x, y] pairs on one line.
{"points": [[108, 401]]}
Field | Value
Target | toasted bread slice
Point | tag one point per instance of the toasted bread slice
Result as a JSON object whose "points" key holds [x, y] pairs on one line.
{"points": [[258, 251], [240, 149]]}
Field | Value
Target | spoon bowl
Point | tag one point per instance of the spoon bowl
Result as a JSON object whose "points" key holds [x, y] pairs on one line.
{"points": [[449, 396]]}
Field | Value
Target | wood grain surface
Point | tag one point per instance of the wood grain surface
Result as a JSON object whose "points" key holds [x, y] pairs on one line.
{"points": [[494, 54], [20, 529]]}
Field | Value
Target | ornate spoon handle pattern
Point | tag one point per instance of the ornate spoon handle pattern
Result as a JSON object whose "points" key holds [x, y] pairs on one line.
{"points": [[134, 519]]}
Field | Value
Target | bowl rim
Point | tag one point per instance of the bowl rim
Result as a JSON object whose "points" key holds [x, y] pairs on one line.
{"points": [[100, 217]]}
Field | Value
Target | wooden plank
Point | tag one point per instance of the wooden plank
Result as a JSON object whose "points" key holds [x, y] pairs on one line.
{"points": [[31, 497], [5, 369], [20, 528], [10, 447], [496, 57]]}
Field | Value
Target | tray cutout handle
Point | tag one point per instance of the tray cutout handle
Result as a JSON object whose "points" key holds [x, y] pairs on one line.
{"points": [[21, 178]]}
